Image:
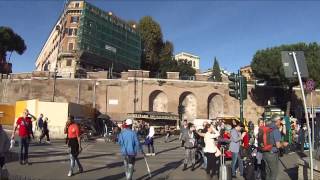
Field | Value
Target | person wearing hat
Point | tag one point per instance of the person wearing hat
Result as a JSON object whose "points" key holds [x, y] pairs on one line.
{"points": [[271, 158], [129, 146]]}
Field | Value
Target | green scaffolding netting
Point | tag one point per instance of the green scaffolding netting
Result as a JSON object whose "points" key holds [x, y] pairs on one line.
{"points": [[109, 37]]}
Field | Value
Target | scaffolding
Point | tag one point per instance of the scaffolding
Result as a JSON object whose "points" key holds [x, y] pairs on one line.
{"points": [[103, 34]]}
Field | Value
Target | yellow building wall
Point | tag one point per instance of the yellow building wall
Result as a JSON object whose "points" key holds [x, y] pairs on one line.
{"points": [[20, 107], [8, 113]]}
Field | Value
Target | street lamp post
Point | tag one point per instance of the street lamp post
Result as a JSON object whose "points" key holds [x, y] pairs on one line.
{"points": [[58, 29]]}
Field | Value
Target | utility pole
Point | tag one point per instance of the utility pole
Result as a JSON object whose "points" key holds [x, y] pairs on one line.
{"points": [[293, 54], [238, 90], [241, 96], [59, 29]]}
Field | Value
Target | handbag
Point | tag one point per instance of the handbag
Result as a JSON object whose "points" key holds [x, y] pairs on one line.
{"points": [[148, 140]]}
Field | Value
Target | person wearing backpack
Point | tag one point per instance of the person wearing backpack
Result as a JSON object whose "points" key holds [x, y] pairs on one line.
{"points": [[269, 142]]}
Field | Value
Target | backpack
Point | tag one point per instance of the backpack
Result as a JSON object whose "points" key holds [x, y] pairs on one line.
{"points": [[265, 139]]}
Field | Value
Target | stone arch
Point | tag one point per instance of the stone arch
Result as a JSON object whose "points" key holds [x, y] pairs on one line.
{"points": [[215, 106], [189, 101], [46, 66], [158, 101]]}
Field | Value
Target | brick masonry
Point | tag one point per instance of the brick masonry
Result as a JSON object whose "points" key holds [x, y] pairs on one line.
{"points": [[117, 97]]}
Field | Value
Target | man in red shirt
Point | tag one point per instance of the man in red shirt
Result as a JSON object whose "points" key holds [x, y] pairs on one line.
{"points": [[23, 124]]}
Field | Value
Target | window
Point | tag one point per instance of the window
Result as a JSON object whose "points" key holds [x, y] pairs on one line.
{"points": [[70, 46], [69, 62], [74, 19], [75, 32], [70, 32], [76, 5], [194, 64]]}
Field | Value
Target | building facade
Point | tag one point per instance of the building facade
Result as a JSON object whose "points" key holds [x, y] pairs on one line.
{"points": [[135, 92], [86, 38], [190, 58], [247, 72]]}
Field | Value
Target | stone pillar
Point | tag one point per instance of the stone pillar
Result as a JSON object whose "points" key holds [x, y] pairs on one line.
{"points": [[97, 75], [124, 75], [172, 75], [201, 77], [135, 73], [146, 74]]}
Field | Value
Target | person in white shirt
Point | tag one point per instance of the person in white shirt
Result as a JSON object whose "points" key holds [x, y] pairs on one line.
{"points": [[149, 141], [211, 151], [259, 153]]}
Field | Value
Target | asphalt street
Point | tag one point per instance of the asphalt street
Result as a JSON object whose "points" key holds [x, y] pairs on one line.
{"points": [[103, 161]]}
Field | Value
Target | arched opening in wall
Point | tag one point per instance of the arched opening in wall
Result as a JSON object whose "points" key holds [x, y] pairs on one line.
{"points": [[189, 101], [158, 101], [215, 106], [46, 66]]}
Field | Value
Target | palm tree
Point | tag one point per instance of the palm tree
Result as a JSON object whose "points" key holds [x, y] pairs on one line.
{"points": [[9, 42]]}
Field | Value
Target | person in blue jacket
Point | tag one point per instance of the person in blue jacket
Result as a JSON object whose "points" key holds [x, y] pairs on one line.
{"points": [[130, 146]]}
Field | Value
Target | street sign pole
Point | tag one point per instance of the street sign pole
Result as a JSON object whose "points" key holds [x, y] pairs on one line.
{"points": [[306, 113], [312, 119], [241, 96]]}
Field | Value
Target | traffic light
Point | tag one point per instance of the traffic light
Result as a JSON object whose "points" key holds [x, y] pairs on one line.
{"points": [[244, 87], [234, 86]]}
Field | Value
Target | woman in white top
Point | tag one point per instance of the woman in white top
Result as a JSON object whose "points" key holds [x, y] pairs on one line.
{"points": [[149, 141], [211, 150]]}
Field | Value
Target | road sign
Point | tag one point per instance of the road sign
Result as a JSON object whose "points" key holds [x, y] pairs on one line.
{"points": [[289, 67], [310, 85]]}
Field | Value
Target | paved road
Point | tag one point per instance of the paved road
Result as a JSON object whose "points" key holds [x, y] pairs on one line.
{"points": [[103, 161], [100, 161]]}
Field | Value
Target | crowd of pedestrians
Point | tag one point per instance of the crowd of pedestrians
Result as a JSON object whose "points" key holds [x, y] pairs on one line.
{"points": [[260, 144], [254, 152]]}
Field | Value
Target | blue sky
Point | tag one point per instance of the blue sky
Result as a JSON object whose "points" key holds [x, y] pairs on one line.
{"points": [[230, 30]]}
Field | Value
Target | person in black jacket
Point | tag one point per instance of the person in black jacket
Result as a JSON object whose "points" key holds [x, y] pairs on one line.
{"points": [[45, 131]]}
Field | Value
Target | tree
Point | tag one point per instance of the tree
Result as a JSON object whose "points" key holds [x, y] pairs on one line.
{"points": [[152, 43], [185, 69], [157, 56], [216, 72], [166, 51], [9, 42], [171, 65], [266, 64]]}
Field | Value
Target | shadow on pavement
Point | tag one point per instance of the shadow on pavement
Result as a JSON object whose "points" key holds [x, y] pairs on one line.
{"points": [[109, 166], [301, 154], [166, 167], [116, 176], [36, 155], [166, 150], [292, 173], [67, 159]]}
